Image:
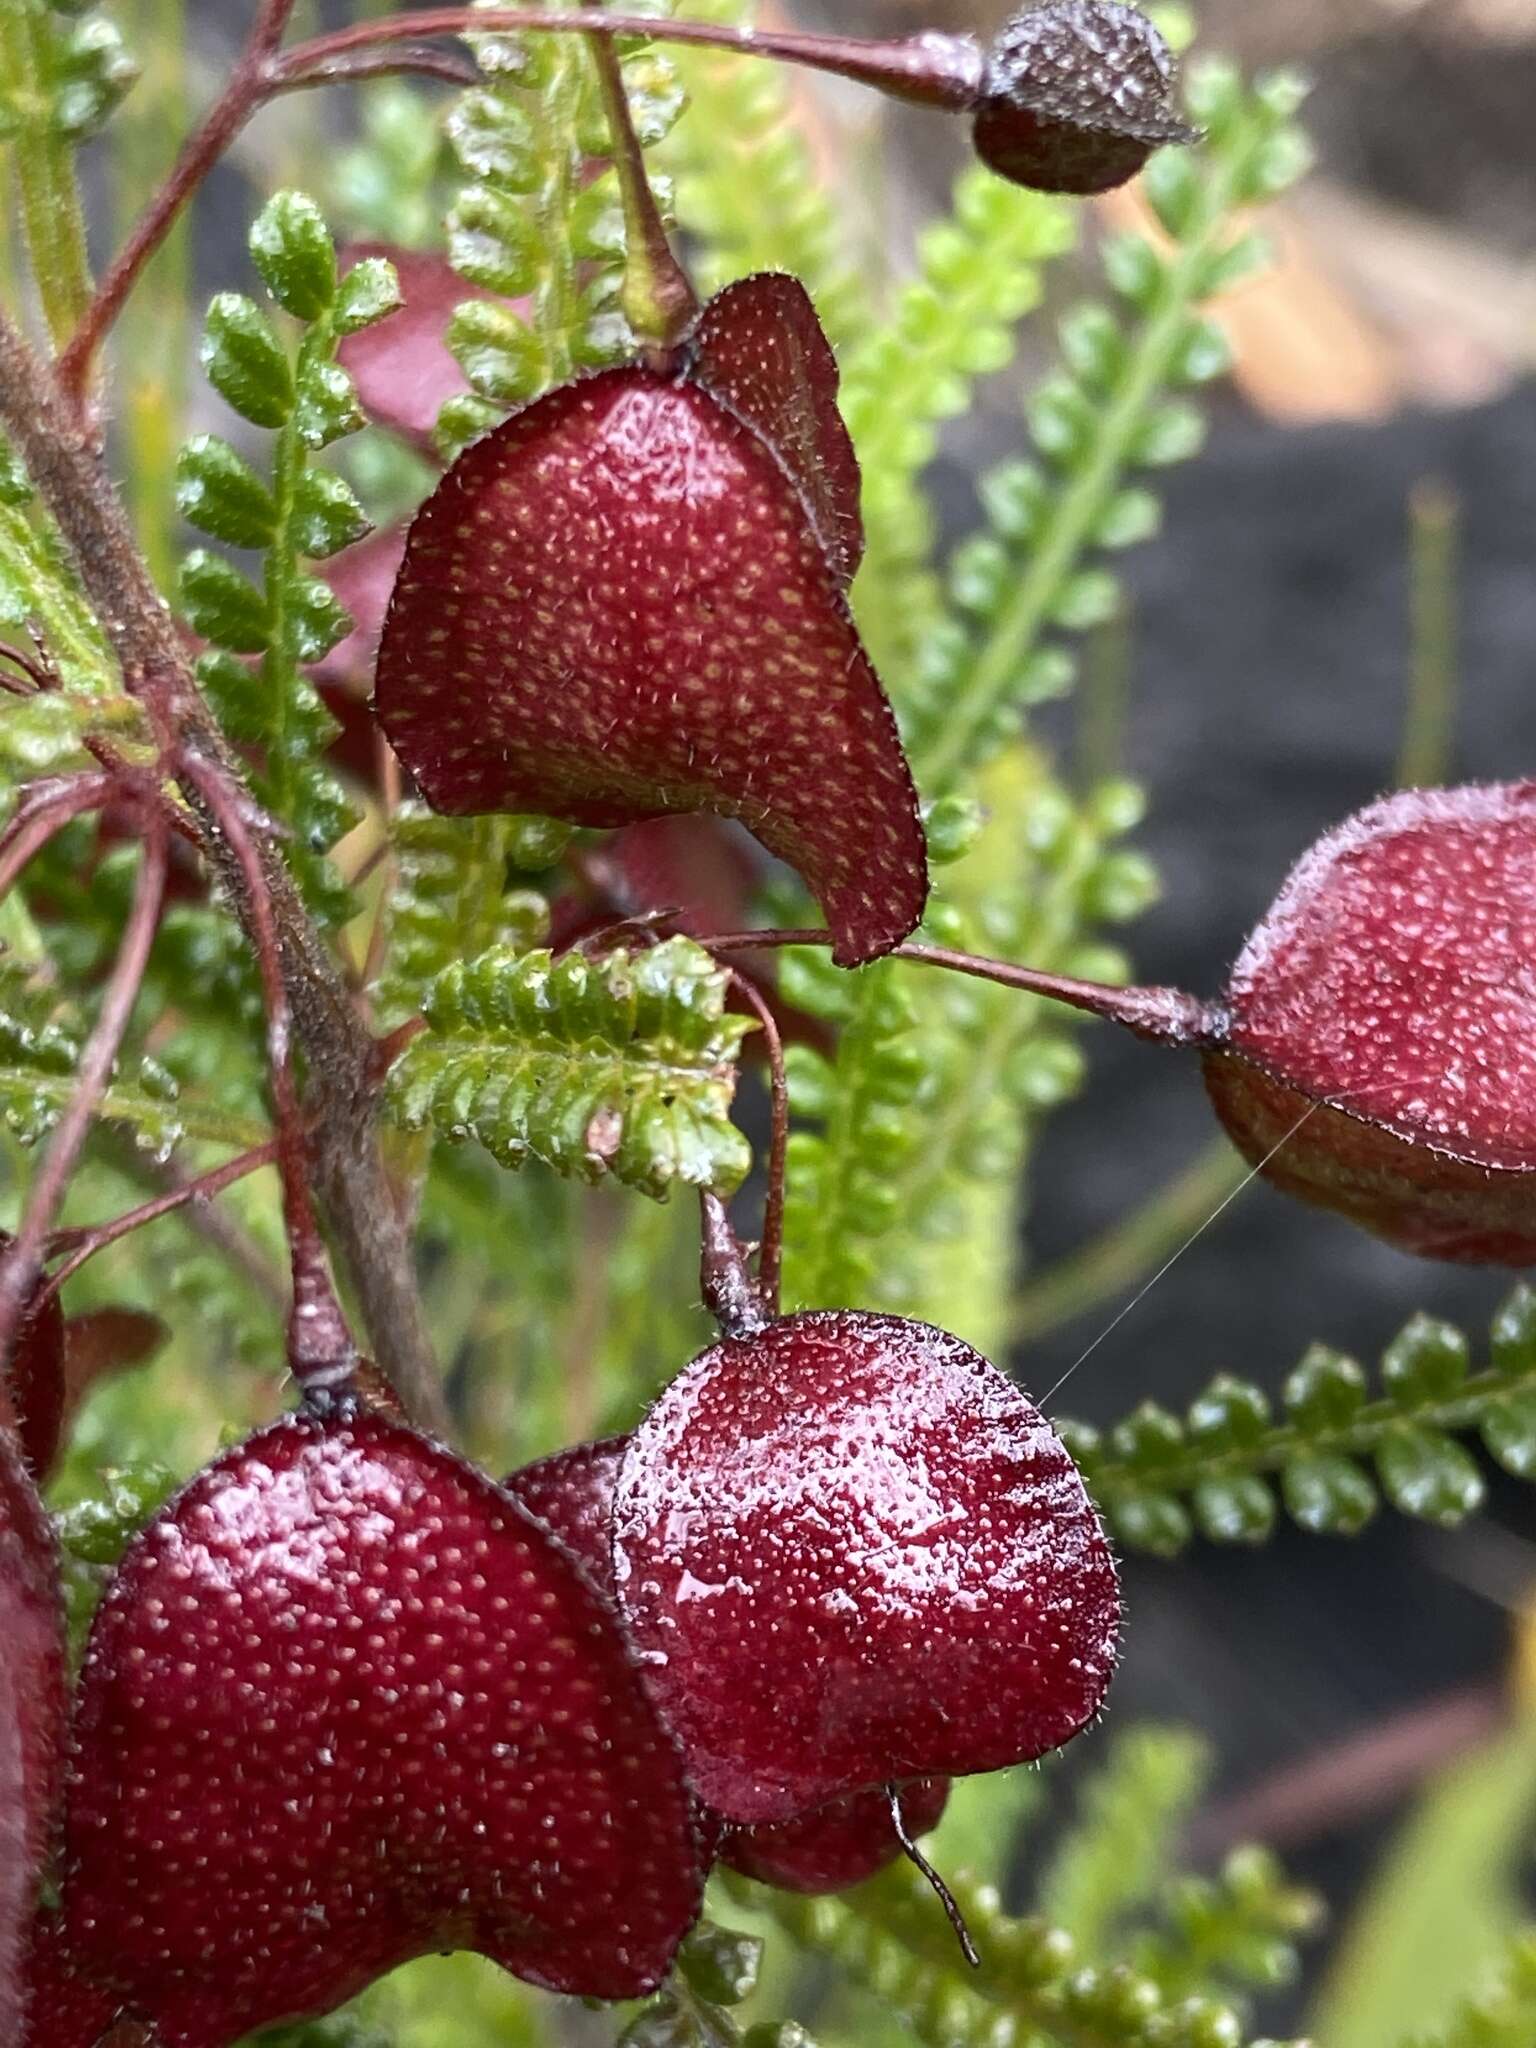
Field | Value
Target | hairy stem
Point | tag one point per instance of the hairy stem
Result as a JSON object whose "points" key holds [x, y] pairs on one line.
{"points": [[66, 467], [45, 173]]}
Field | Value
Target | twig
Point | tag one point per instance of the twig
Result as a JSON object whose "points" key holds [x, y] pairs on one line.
{"points": [[22, 1262], [66, 467], [933, 70], [85, 1244], [1165, 1014], [770, 1258]]}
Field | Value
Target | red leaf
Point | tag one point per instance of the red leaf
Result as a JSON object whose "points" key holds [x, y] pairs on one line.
{"points": [[760, 349], [32, 1708], [615, 605], [850, 1551], [388, 1717]]}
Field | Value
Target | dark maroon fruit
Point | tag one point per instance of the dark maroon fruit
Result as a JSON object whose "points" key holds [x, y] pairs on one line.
{"points": [[63, 2010], [760, 349], [571, 1493], [622, 603], [849, 1551], [345, 1703], [1076, 95], [837, 1845], [32, 1707], [1390, 993], [36, 1376]]}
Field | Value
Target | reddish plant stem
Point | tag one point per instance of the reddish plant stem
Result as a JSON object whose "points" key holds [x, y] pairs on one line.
{"points": [[85, 1244], [770, 1258], [41, 814], [23, 1260], [657, 297], [927, 70], [63, 457], [1167, 1015], [320, 1347], [249, 84], [728, 1289]]}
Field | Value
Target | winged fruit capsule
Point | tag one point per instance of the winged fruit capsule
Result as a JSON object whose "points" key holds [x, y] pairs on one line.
{"points": [[629, 600], [344, 1703]]}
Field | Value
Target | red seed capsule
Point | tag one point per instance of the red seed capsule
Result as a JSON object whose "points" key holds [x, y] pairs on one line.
{"points": [[827, 1850], [32, 1706], [345, 1703], [37, 1379], [1390, 993], [629, 600], [850, 1551], [837, 1846], [1076, 95]]}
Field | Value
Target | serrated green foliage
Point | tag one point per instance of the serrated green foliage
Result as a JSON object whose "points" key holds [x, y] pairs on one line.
{"points": [[622, 1066], [1129, 1815], [905, 1196], [889, 1938], [455, 893], [1113, 407], [533, 224], [747, 186], [1334, 1452], [979, 273], [304, 514]]}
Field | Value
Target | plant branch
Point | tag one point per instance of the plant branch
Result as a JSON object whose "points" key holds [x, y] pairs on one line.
{"points": [[936, 71], [66, 467], [770, 1257], [23, 1260], [1167, 1015], [82, 1245]]}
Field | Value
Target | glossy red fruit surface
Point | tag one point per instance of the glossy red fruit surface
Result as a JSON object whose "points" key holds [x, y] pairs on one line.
{"points": [[1392, 984], [345, 1703], [849, 1551], [759, 348], [31, 1715], [838, 1845], [620, 604], [1076, 96], [63, 2010], [571, 1493]]}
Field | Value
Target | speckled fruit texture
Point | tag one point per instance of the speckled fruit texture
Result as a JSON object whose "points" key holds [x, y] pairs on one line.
{"points": [[622, 603], [826, 1850], [1077, 95], [346, 1703], [1393, 982], [31, 1713], [838, 1845], [849, 1550]]}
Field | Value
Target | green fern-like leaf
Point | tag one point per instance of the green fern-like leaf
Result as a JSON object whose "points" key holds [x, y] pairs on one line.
{"points": [[1113, 408], [533, 222], [621, 1067], [747, 186], [1116, 1854], [1335, 1452], [303, 514], [979, 273], [451, 896]]}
